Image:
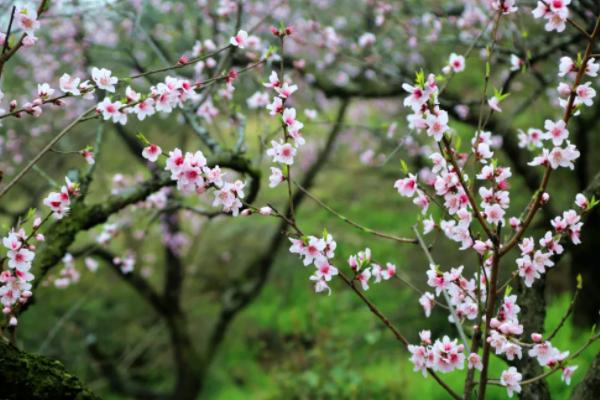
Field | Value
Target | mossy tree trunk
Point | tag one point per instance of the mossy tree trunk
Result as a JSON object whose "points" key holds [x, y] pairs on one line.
{"points": [[32, 377]]}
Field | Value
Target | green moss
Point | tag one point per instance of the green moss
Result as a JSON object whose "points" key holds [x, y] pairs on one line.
{"points": [[27, 376]]}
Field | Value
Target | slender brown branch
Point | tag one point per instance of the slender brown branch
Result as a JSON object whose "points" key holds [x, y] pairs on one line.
{"points": [[491, 303], [8, 31], [353, 223]]}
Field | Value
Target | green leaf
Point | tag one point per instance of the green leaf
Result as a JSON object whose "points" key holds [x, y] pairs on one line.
{"points": [[142, 138], [593, 203], [458, 143], [420, 78], [404, 166], [30, 213], [579, 282]]}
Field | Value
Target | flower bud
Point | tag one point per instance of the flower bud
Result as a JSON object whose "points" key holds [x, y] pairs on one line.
{"points": [[545, 197], [265, 211]]}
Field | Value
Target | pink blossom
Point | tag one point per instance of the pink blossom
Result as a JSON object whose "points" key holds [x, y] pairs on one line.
{"points": [[511, 379], [151, 152], [437, 125], [456, 64], [406, 186], [103, 79], [474, 361], [240, 39], [276, 177], [567, 373], [585, 94], [283, 153], [69, 84], [363, 277], [427, 302]]}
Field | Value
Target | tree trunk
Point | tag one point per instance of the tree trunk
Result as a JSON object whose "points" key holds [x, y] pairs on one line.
{"points": [[584, 261], [532, 316], [589, 388], [32, 377]]}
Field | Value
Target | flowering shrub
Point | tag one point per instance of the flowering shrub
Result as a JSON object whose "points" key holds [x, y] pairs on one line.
{"points": [[462, 188]]}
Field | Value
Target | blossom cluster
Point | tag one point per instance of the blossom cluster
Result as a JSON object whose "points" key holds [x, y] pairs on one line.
{"points": [[364, 269], [490, 199], [533, 262], [282, 151], [163, 97], [60, 202], [461, 292], [444, 355], [319, 252], [555, 13], [193, 175], [15, 282], [68, 274]]}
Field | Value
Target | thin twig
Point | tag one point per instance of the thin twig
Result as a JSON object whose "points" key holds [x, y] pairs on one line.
{"points": [[455, 319], [355, 224], [10, 22]]}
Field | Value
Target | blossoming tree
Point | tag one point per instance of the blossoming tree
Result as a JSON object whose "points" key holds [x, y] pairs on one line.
{"points": [[458, 176]]}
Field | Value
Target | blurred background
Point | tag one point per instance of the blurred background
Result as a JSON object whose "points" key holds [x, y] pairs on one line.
{"points": [[247, 323]]}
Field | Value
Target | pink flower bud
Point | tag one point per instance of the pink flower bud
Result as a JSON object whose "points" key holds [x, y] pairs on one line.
{"points": [[245, 212], [183, 60], [37, 222], [536, 337], [40, 237], [13, 321], [6, 310], [545, 197], [299, 64], [514, 222], [265, 211]]}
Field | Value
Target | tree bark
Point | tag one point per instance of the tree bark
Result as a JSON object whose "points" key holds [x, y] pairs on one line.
{"points": [[533, 313], [32, 377], [584, 261], [589, 388]]}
